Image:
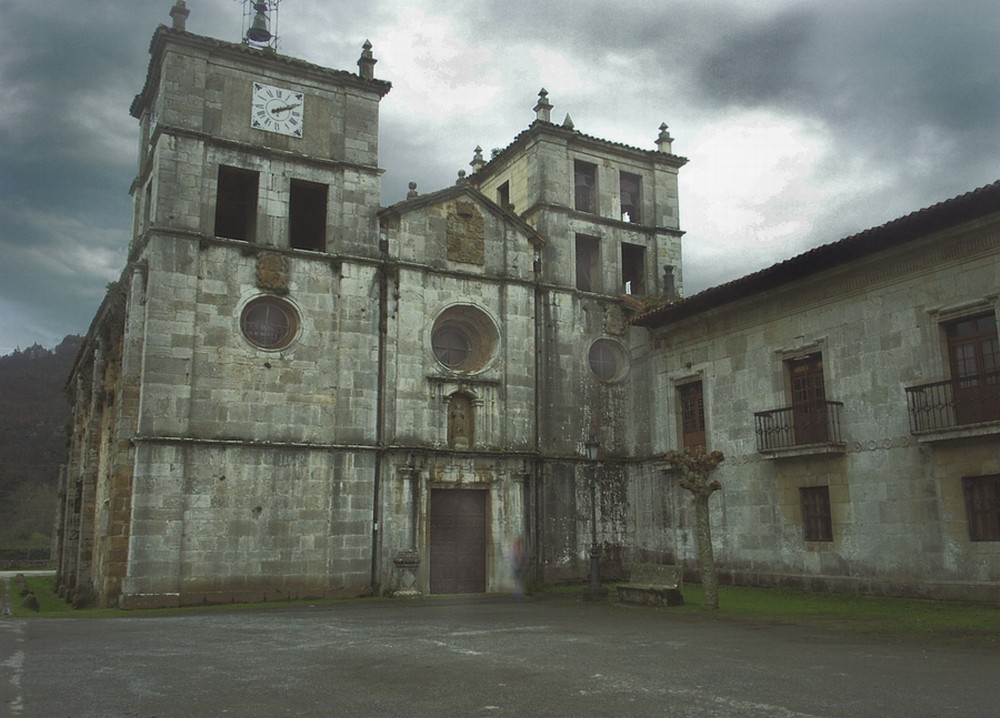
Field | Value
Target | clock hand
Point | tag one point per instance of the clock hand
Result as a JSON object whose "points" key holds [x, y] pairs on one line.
{"points": [[286, 108]]}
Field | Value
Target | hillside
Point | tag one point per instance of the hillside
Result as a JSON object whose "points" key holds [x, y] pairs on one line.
{"points": [[34, 413]]}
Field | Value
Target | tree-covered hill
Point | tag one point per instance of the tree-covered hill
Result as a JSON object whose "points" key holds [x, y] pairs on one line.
{"points": [[34, 413]]}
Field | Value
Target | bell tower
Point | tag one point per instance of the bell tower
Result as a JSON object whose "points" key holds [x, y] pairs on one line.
{"points": [[609, 216], [609, 211], [253, 252], [221, 123]]}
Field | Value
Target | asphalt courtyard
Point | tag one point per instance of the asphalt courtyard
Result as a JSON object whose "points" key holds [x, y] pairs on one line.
{"points": [[481, 657]]}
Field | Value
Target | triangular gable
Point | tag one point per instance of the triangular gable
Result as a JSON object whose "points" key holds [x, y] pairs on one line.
{"points": [[470, 194]]}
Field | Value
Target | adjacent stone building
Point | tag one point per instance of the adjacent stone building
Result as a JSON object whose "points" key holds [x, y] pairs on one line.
{"points": [[855, 391], [295, 392]]}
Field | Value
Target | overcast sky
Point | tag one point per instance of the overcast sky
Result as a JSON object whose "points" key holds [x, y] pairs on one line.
{"points": [[804, 121]]}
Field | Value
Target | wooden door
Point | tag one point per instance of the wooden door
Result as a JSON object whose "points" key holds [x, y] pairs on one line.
{"points": [[975, 362], [458, 541], [809, 400], [692, 414]]}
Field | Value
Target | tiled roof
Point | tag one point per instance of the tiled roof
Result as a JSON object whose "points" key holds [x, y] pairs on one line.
{"points": [[949, 213]]}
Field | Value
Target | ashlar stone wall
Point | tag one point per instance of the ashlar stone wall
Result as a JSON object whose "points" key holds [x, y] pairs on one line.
{"points": [[221, 522], [896, 502]]}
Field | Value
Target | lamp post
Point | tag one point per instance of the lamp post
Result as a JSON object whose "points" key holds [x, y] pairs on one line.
{"points": [[595, 591]]}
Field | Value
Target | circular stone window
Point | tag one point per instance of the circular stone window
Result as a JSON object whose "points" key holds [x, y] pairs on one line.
{"points": [[463, 338], [607, 360], [269, 323]]}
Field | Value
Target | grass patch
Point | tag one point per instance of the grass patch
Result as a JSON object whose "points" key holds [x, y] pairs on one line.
{"points": [[49, 604], [973, 625], [899, 617]]}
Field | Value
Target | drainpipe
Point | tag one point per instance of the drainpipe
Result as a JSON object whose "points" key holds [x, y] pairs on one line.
{"points": [[380, 453], [536, 463]]}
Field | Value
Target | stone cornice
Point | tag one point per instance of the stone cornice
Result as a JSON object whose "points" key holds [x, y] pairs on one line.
{"points": [[249, 57]]}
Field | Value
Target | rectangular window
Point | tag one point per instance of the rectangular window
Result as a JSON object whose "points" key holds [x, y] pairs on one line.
{"points": [[236, 204], [692, 405], [633, 268], [587, 263], [585, 186], [982, 507], [974, 356], [628, 190], [503, 195], [816, 513], [307, 215], [809, 406]]}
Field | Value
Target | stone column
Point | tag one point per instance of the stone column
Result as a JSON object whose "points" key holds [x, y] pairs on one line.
{"points": [[407, 561]]}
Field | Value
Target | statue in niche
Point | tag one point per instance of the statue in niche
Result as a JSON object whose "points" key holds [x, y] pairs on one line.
{"points": [[460, 421]]}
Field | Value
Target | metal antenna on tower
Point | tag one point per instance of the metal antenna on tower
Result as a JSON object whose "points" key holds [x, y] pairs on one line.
{"points": [[260, 23]]}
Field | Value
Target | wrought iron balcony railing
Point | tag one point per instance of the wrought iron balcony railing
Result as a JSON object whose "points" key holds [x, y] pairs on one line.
{"points": [[955, 402], [817, 422]]}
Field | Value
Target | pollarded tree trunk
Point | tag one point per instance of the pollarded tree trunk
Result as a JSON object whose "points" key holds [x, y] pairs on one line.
{"points": [[695, 465], [706, 557]]}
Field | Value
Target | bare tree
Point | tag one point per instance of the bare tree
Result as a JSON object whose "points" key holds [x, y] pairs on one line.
{"points": [[695, 465]]}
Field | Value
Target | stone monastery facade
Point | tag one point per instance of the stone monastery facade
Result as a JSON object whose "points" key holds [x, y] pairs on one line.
{"points": [[293, 391]]}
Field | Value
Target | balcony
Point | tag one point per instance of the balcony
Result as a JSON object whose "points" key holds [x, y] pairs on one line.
{"points": [[800, 430], [969, 406]]}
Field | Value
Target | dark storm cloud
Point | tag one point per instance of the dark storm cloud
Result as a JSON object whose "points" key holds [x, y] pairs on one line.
{"points": [[905, 89], [885, 78], [66, 151], [879, 74], [759, 64]]}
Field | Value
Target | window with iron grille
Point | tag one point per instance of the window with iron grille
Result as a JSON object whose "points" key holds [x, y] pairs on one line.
{"points": [[269, 323], [464, 338], [816, 519], [607, 360], [982, 507]]}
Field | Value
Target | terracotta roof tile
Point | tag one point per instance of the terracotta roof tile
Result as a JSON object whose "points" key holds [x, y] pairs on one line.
{"points": [[964, 208]]}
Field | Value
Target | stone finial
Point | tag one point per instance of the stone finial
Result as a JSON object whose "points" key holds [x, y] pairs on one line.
{"points": [[477, 160], [461, 178], [543, 110], [664, 142], [568, 122], [413, 191], [179, 14], [366, 63]]}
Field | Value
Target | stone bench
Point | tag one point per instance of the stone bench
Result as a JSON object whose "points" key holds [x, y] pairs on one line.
{"points": [[652, 584]]}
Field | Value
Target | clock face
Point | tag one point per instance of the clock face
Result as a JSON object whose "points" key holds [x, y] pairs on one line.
{"points": [[274, 109]]}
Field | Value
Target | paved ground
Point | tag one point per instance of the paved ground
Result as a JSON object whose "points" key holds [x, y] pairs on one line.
{"points": [[483, 657]]}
